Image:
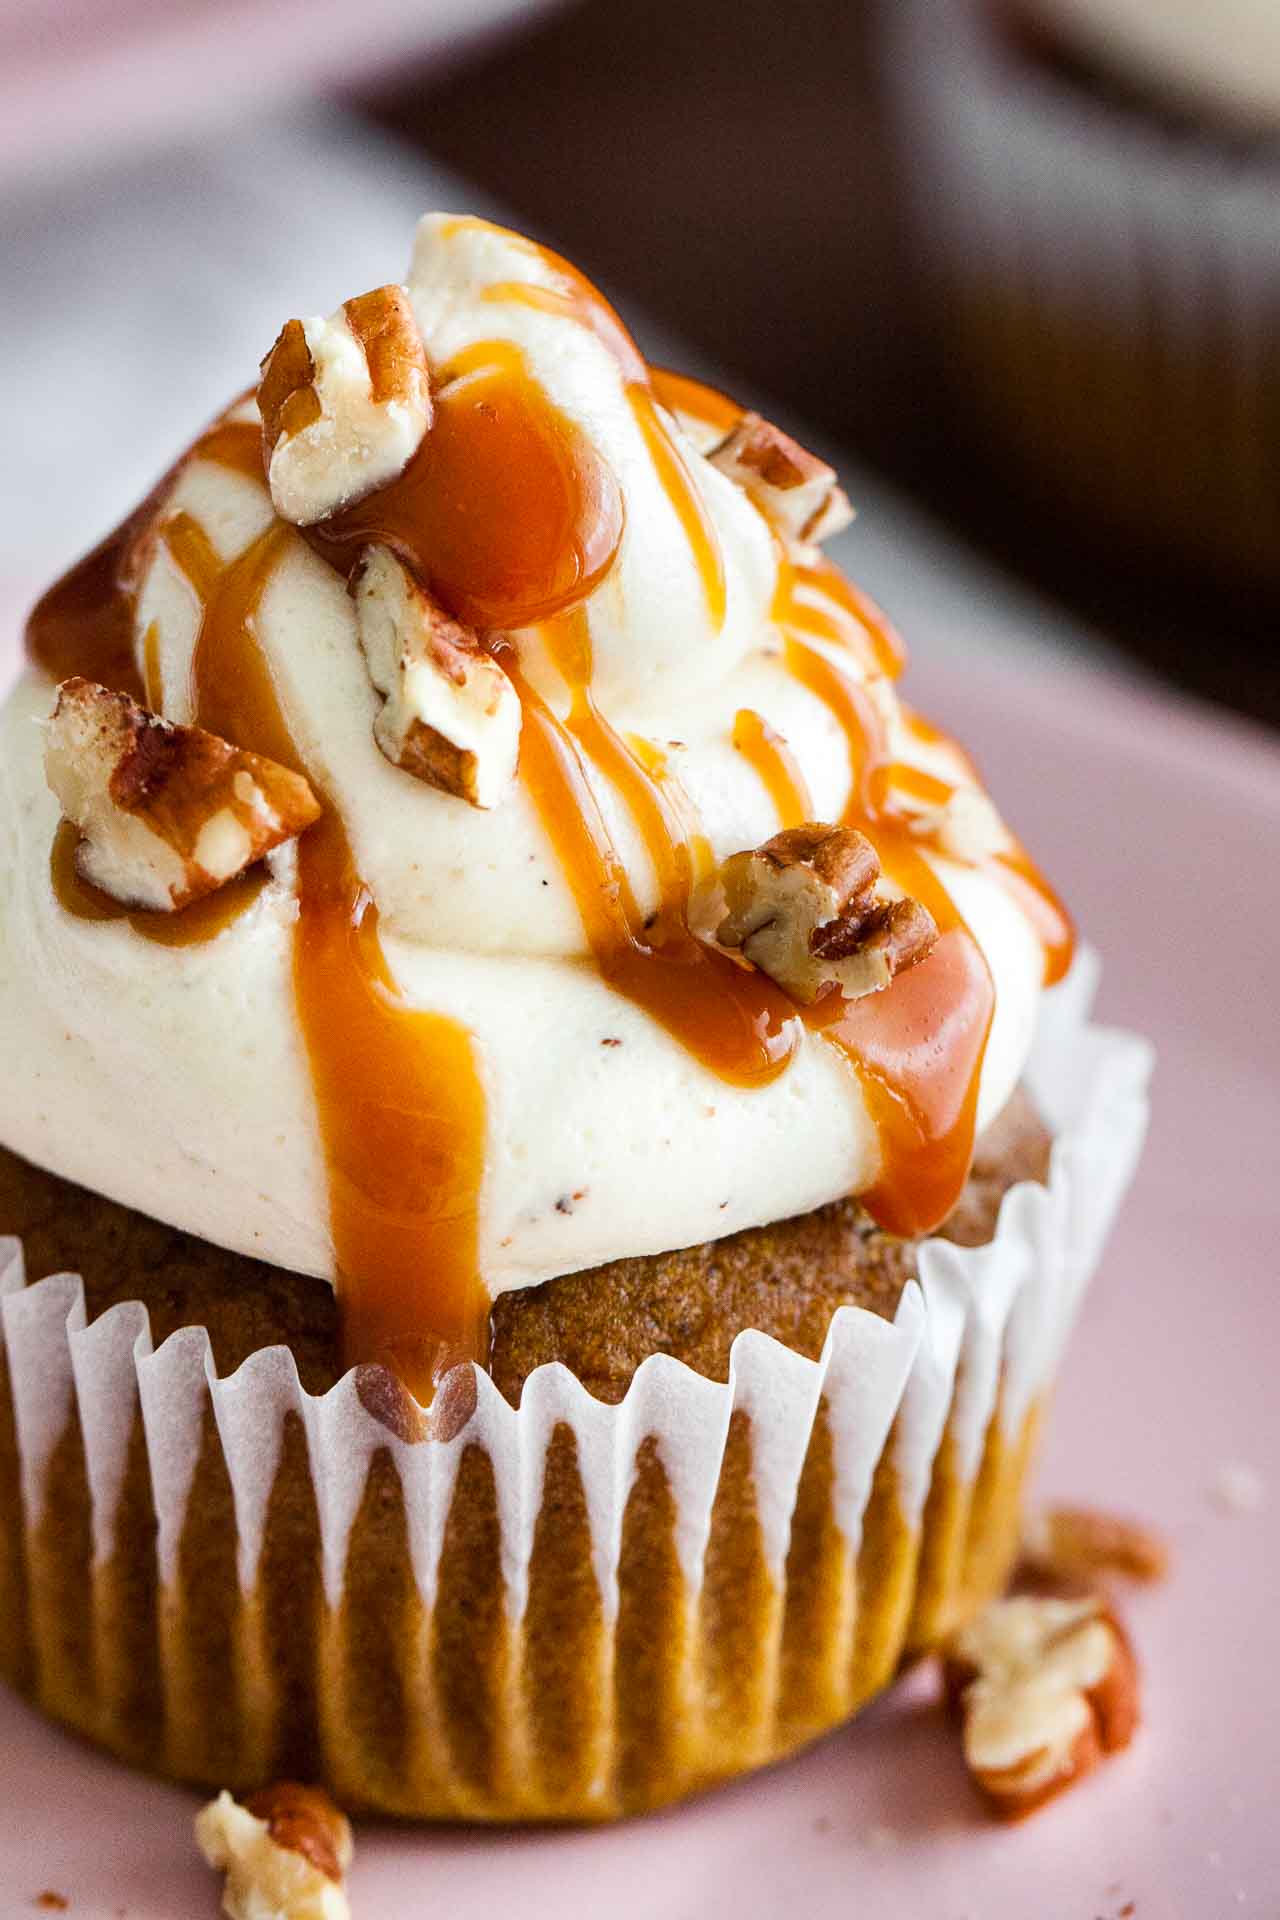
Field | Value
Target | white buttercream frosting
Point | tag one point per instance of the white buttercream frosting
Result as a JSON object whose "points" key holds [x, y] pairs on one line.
{"points": [[175, 1079]]}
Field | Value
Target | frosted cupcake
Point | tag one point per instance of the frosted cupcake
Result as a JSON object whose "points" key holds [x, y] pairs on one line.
{"points": [[1092, 187], [496, 981]]}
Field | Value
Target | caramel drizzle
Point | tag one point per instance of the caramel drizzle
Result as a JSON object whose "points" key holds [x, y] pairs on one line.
{"points": [[578, 300], [731, 1018], [682, 394], [405, 1157], [1012, 866], [917, 1047], [405, 1160], [766, 750], [813, 599]]}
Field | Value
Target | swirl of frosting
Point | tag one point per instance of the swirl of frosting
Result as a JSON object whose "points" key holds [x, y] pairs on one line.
{"points": [[444, 1050]]}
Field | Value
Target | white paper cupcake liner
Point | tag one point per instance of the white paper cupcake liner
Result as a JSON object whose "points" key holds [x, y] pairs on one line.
{"points": [[971, 1351], [1103, 291]]}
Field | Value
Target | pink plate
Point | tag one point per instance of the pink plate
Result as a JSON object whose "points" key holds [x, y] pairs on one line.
{"points": [[1162, 826]]}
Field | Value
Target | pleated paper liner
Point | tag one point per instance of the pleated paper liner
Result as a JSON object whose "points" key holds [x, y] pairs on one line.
{"points": [[1104, 292], [569, 1610]]}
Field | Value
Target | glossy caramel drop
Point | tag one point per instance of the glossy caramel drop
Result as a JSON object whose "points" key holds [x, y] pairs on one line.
{"points": [[578, 300], [505, 511]]}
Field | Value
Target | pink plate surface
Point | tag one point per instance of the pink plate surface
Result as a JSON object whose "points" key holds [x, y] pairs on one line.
{"points": [[1162, 826]]}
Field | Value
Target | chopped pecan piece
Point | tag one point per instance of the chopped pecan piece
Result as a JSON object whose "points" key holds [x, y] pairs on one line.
{"points": [[450, 715], [805, 908], [345, 403], [795, 490], [285, 1853], [166, 813], [1044, 1687]]}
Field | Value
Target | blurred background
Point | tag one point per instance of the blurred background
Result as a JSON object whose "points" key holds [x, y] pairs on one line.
{"points": [[1015, 263]]}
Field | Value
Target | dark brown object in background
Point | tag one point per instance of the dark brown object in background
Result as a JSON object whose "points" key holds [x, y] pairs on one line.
{"points": [[729, 167]]}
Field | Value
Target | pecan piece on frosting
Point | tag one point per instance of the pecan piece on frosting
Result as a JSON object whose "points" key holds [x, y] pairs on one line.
{"points": [[450, 715], [796, 491], [345, 403], [285, 1853], [805, 909], [166, 813], [1044, 1687]]}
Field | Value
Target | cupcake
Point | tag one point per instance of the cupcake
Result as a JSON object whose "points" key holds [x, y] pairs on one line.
{"points": [[551, 1139], [1092, 187]]}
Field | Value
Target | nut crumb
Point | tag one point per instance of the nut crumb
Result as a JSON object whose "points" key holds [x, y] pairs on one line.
{"points": [[1239, 1488], [1044, 1687], [284, 1852], [881, 1839], [611, 1040]]}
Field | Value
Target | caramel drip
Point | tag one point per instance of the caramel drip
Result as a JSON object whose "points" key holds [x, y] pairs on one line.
{"points": [[399, 1101], [203, 920], [505, 511], [923, 786], [85, 623], [669, 464], [152, 678], [1012, 866], [578, 300], [402, 1120], [693, 397], [917, 1047], [666, 836], [858, 717], [398, 1096], [767, 752], [234, 444], [917, 1050], [846, 617], [732, 1019], [194, 552]]}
